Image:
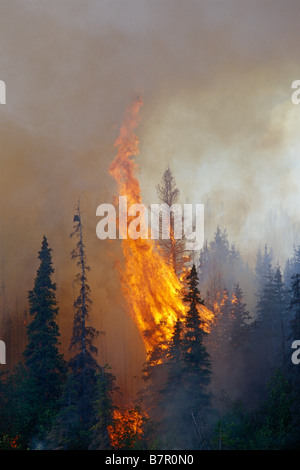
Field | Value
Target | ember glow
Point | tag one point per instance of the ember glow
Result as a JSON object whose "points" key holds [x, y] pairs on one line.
{"points": [[220, 301], [127, 427], [150, 286]]}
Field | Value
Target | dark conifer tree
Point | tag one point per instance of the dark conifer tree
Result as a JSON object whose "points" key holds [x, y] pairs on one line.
{"points": [[293, 370], [263, 269], [174, 357], [270, 320], [155, 377], [218, 266], [171, 398], [103, 407], [268, 335], [295, 306], [292, 282], [78, 425], [240, 319], [83, 365], [292, 266], [281, 314], [178, 374], [203, 263], [44, 364], [196, 360]]}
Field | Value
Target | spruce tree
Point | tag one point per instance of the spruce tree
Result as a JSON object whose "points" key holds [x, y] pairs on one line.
{"points": [[270, 320], [240, 319], [83, 365], [196, 357], [86, 405], [44, 364], [216, 266], [174, 357], [293, 370], [292, 267], [222, 328], [294, 331], [196, 360], [263, 269], [178, 373], [173, 249], [83, 362], [295, 306], [172, 398], [280, 311], [104, 407]]}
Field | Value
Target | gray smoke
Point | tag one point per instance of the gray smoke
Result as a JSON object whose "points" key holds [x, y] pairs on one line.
{"points": [[215, 77]]}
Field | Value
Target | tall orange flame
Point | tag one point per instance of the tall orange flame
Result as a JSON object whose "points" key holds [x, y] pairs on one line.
{"points": [[150, 286]]}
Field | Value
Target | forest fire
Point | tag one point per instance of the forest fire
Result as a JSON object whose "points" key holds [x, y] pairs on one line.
{"points": [[222, 298], [219, 302], [150, 286], [127, 428], [149, 291]]}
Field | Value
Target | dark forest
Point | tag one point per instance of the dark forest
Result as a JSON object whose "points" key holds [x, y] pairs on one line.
{"points": [[235, 386]]}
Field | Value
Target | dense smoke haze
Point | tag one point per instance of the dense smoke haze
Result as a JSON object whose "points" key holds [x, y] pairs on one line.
{"points": [[215, 78]]}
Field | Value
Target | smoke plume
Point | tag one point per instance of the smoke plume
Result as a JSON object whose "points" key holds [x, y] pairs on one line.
{"points": [[215, 77]]}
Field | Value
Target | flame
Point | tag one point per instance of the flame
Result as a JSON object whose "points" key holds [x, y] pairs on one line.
{"points": [[234, 299], [219, 303], [150, 286], [221, 299], [127, 427], [14, 442]]}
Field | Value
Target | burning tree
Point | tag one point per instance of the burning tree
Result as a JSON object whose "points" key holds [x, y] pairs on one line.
{"points": [[127, 429], [149, 283], [177, 377], [174, 249]]}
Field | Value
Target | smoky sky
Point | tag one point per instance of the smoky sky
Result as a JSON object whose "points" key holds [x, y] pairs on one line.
{"points": [[215, 78]]}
